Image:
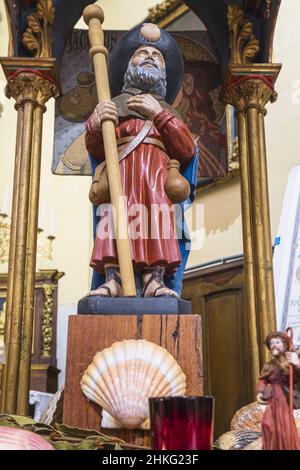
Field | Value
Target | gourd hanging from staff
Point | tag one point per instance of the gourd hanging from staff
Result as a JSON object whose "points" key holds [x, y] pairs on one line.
{"points": [[148, 157]]}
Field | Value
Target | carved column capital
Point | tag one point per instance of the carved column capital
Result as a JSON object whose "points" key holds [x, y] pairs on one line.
{"points": [[29, 85], [250, 93], [251, 86]]}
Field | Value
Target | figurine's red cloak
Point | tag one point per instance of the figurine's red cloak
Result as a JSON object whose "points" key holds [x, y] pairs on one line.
{"points": [[278, 426], [143, 175]]}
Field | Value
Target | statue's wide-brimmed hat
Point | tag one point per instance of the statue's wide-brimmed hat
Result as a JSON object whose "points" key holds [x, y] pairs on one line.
{"points": [[150, 35]]}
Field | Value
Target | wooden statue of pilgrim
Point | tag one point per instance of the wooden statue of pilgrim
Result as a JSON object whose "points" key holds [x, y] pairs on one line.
{"points": [[146, 70]]}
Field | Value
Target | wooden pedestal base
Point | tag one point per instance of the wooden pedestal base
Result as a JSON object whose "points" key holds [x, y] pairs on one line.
{"points": [[88, 334]]}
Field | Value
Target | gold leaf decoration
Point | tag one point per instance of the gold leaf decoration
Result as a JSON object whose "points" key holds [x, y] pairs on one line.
{"points": [[38, 35], [34, 24], [161, 9], [251, 50], [45, 10], [31, 42], [243, 43], [235, 16], [47, 329]]}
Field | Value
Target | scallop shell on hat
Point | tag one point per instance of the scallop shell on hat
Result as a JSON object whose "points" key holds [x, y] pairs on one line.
{"points": [[122, 378], [150, 32]]}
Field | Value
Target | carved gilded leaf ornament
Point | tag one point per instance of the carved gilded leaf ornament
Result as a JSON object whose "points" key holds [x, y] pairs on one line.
{"points": [[38, 36], [243, 43], [47, 328], [161, 9]]}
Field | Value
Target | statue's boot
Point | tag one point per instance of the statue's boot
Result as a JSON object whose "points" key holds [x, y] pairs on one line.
{"points": [[112, 286], [153, 283]]}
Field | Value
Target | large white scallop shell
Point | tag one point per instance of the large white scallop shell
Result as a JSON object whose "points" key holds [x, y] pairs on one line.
{"points": [[122, 378]]}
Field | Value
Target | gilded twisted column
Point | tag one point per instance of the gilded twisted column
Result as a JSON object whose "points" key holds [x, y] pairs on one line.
{"points": [[46, 90], [249, 89], [30, 81], [31, 89], [247, 243], [13, 234]]}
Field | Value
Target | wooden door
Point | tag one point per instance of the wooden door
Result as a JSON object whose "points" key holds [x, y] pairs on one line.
{"points": [[218, 294]]}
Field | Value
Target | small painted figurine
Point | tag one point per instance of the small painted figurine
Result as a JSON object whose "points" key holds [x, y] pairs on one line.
{"points": [[146, 70], [278, 426]]}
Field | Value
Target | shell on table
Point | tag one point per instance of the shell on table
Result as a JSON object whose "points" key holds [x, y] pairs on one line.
{"points": [[255, 445], [237, 440], [246, 431], [250, 417], [121, 379], [12, 438]]}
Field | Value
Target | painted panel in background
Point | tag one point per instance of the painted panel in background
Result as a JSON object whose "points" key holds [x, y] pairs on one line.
{"points": [[199, 103]]}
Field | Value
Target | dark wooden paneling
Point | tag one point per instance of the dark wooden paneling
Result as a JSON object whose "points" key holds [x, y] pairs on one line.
{"points": [[218, 295], [224, 350]]}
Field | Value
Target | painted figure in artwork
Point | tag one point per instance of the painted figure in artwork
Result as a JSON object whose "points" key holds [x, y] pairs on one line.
{"points": [[146, 70], [278, 426], [197, 108]]}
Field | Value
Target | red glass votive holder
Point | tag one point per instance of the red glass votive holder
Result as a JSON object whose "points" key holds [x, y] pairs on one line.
{"points": [[182, 423]]}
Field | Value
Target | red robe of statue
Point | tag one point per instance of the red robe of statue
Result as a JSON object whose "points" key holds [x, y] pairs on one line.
{"points": [[143, 175], [278, 427]]}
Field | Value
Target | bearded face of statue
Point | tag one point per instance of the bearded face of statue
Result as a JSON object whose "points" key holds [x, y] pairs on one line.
{"points": [[277, 347], [147, 71]]}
